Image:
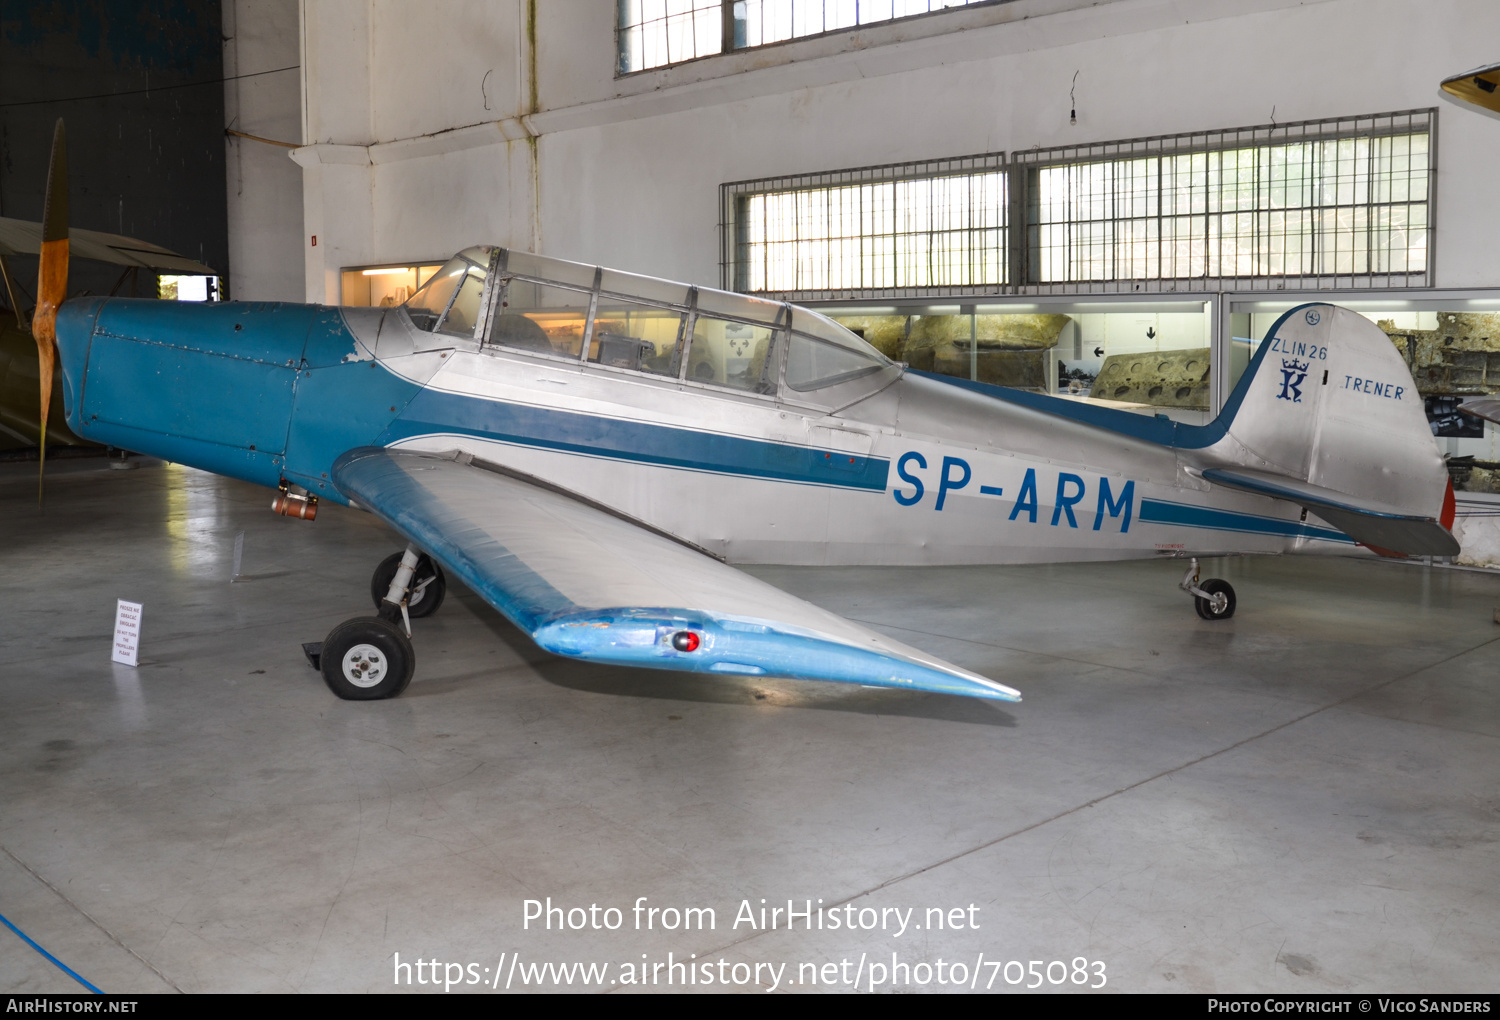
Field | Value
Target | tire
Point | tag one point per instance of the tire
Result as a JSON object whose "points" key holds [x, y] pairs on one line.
{"points": [[420, 604], [366, 659], [1206, 607]]}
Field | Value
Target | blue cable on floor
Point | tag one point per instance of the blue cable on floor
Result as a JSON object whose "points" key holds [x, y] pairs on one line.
{"points": [[61, 966]]}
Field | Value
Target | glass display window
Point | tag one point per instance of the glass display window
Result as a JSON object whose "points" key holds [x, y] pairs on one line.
{"points": [[384, 286], [1152, 357]]}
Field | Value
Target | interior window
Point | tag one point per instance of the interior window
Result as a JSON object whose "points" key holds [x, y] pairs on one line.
{"points": [[812, 364], [536, 317], [634, 336], [429, 303], [733, 354]]}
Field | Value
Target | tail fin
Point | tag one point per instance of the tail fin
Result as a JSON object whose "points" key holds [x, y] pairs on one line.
{"points": [[1327, 416]]}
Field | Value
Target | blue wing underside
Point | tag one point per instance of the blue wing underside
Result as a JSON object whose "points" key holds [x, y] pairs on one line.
{"points": [[590, 585]]}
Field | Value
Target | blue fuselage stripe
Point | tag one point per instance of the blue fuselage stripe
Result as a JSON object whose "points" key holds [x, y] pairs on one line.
{"points": [[432, 411], [1156, 511]]}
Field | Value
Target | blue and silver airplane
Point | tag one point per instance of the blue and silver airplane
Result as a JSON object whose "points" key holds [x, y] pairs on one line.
{"points": [[589, 451]]}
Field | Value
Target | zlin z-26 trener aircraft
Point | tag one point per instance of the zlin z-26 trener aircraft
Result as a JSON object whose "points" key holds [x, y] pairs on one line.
{"points": [[589, 449]]}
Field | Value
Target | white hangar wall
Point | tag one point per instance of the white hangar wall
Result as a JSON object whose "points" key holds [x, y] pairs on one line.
{"points": [[261, 37], [430, 127]]}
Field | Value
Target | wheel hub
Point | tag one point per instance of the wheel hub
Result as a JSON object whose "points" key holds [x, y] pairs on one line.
{"points": [[418, 591], [364, 665]]}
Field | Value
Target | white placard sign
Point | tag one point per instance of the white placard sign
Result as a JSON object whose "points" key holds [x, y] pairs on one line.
{"points": [[127, 631]]}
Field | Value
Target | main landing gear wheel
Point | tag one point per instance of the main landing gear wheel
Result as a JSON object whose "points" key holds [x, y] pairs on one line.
{"points": [[1219, 605], [366, 659], [428, 585]]}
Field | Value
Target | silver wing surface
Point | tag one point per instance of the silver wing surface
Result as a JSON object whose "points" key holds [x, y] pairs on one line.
{"points": [[591, 585]]}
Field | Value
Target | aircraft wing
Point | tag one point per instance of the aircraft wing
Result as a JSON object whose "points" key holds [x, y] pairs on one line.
{"points": [[589, 584], [1375, 524], [24, 237]]}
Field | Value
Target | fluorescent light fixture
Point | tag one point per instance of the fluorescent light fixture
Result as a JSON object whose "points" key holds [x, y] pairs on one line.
{"points": [[387, 272]]}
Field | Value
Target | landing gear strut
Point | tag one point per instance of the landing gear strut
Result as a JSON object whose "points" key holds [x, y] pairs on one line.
{"points": [[371, 657], [1213, 599], [428, 585]]}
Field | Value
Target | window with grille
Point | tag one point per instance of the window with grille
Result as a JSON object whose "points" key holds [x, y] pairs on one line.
{"points": [[909, 228], [1314, 205], [1308, 205], [655, 33]]}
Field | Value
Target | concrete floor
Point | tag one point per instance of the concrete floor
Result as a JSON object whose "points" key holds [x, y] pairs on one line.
{"points": [[1305, 798]]}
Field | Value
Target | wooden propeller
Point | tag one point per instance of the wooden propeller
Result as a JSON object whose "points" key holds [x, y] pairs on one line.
{"points": [[52, 280]]}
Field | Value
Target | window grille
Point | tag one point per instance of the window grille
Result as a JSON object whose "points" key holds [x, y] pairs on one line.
{"points": [[938, 227], [655, 33], [1303, 206], [1316, 205]]}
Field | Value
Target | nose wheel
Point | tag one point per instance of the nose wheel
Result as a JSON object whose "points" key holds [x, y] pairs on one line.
{"points": [[1213, 599]]}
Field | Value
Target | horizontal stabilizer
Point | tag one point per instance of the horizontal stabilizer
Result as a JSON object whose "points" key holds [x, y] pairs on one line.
{"points": [[591, 585], [1374, 524], [1487, 408]]}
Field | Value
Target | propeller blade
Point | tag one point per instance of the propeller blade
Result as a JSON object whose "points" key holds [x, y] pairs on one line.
{"points": [[52, 280], [1480, 86]]}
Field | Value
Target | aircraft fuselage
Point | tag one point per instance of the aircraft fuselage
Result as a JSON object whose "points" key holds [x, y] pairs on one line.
{"points": [[913, 470]]}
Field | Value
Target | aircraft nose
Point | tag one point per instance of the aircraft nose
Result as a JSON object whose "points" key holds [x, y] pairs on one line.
{"points": [[75, 329]]}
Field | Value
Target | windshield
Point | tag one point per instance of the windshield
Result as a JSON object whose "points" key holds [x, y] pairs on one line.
{"points": [[433, 307], [823, 353], [813, 364], [429, 303]]}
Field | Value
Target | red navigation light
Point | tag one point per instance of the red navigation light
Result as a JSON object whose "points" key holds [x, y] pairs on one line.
{"points": [[685, 641]]}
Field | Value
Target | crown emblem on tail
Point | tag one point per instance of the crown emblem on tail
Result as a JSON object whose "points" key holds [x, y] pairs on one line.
{"points": [[1292, 374]]}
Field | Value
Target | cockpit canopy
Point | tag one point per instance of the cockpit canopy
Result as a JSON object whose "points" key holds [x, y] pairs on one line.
{"points": [[449, 302], [566, 310]]}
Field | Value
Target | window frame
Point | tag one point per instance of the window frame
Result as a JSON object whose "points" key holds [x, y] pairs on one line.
{"points": [[734, 196], [727, 34], [1021, 223], [1026, 165], [688, 316]]}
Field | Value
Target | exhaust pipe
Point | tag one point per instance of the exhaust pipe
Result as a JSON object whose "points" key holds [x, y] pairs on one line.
{"points": [[303, 506]]}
